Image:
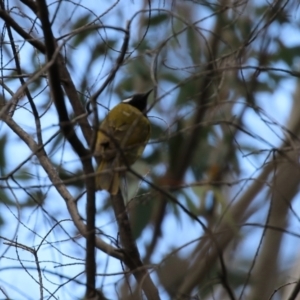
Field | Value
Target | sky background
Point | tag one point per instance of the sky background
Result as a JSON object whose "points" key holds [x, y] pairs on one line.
{"points": [[178, 230]]}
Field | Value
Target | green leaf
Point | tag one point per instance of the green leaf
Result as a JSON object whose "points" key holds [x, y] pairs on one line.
{"points": [[23, 174], [288, 54], [192, 41], [188, 91], [72, 178], [35, 198], [3, 143], [171, 273], [80, 37], [55, 144], [156, 20], [103, 47], [1, 221], [127, 84], [5, 199], [170, 77], [190, 204], [140, 213], [174, 145]]}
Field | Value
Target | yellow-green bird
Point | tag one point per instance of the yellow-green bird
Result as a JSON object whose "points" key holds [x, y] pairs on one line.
{"points": [[121, 140]]}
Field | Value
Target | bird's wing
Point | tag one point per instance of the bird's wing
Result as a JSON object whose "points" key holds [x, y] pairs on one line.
{"points": [[118, 132]]}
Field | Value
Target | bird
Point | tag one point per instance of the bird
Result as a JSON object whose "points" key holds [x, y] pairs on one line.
{"points": [[121, 139]]}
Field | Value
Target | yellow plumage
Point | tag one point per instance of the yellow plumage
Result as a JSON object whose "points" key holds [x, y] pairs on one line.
{"points": [[121, 140]]}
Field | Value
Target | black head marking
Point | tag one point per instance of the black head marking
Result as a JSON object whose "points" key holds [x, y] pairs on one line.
{"points": [[139, 101]]}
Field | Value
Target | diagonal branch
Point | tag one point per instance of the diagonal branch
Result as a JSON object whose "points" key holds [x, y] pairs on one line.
{"points": [[69, 133], [59, 185], [19, 70], [175, 173], [131, 253], [31, 4], [238, 212], [66, 79]]}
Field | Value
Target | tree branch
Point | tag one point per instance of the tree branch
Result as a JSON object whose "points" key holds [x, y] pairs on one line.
{"points": [[66, 79], [131, 253], [60, 186], [69, 133]]}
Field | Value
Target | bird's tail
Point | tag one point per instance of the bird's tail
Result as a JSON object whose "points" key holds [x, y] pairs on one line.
{"points": [[106, 178]]}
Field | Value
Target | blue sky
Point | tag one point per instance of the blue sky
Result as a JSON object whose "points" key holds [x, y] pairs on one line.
{"points": [[34, 219]]}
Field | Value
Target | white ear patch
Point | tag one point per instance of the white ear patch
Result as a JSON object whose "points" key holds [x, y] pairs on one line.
{"points": [[127, 100]]}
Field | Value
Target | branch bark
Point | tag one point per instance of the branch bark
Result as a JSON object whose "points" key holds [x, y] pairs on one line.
{"points": [[131, 253], [206, 253], [85, 155], [59, 185]]}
